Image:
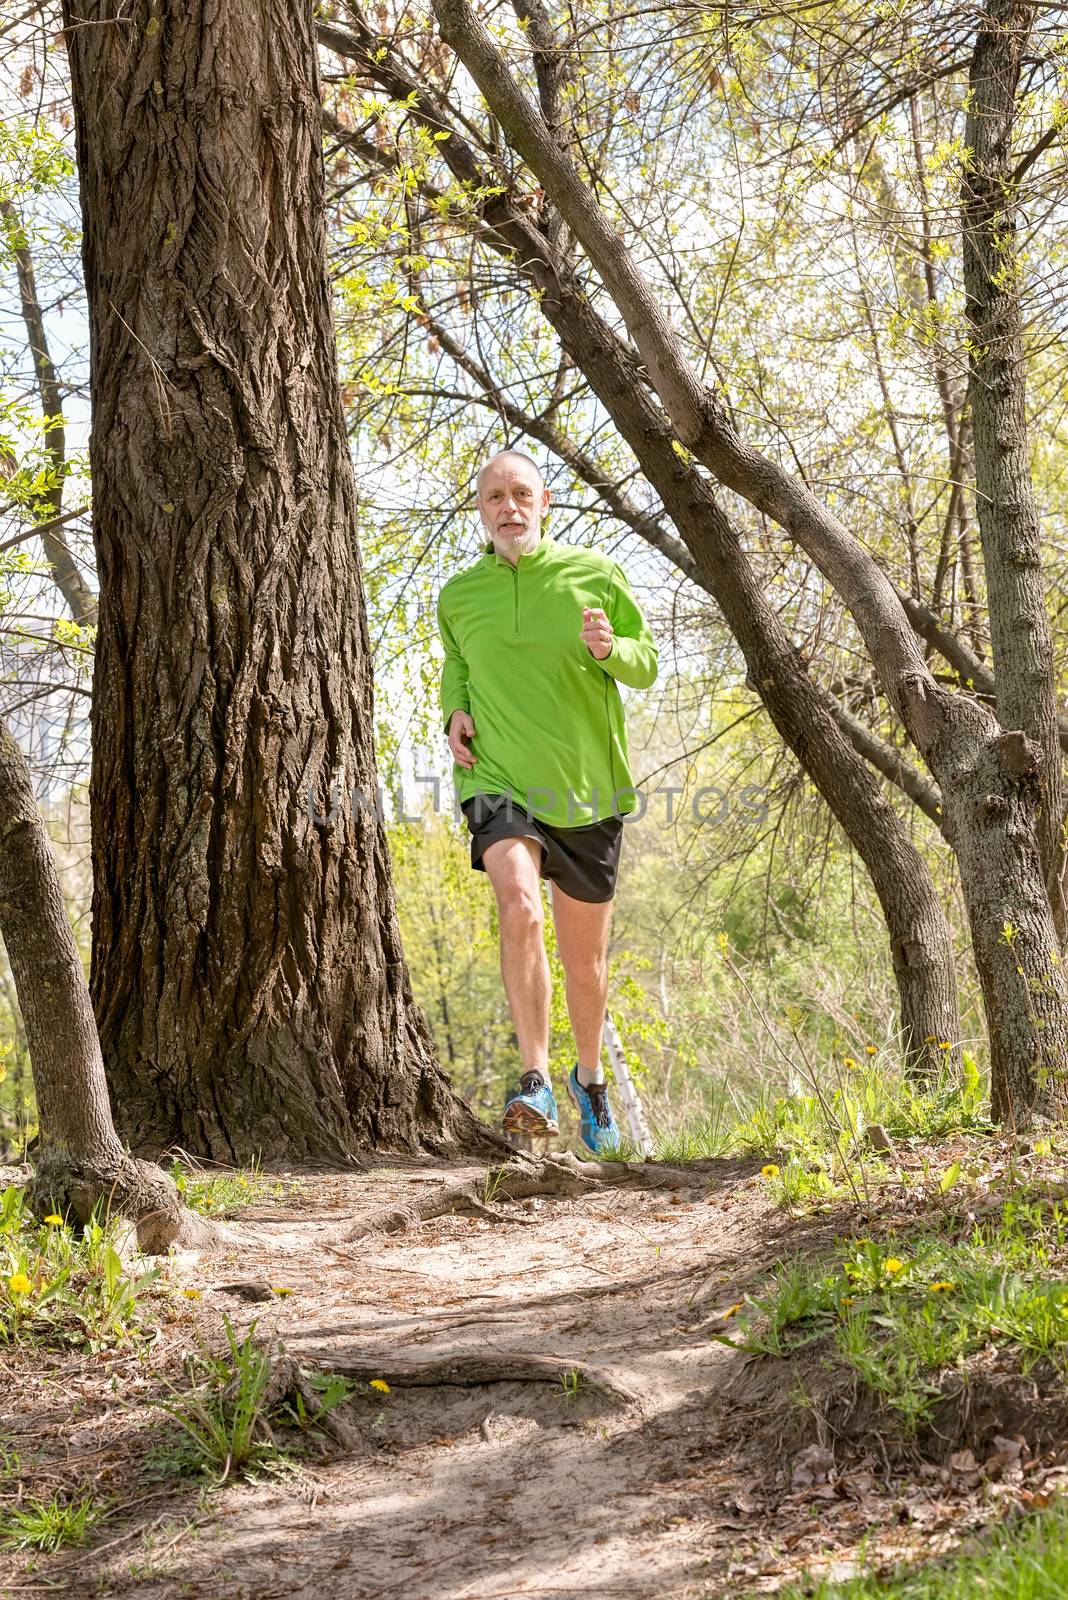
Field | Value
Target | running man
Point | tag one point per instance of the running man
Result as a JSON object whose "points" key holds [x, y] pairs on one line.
{"points": [[537, 636]]}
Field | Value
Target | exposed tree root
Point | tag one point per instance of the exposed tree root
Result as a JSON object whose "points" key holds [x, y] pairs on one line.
{"points": [[467, 1371], [127, 1187], [520, 1178]]}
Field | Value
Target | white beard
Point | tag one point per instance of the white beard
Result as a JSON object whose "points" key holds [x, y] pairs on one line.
{"points": [[514, 548]]}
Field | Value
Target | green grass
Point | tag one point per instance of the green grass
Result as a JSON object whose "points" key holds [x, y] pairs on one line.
{"points": [[571, 1385], [223, 1425], [901, 1314], [225, 1194], [850, 1100], [1022, 1560], [816, 1136], [708, 1138], [226, 1424], [50, 1524], [64, 1285]]}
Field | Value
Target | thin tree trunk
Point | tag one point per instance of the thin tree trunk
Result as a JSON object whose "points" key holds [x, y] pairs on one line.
{"points": [[72, 586], [247, 972], [991, 780], [80, 1160], [1009, 532]]}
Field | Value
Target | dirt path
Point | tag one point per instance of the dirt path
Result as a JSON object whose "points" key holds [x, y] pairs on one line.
{"points": [[456, 1490]]}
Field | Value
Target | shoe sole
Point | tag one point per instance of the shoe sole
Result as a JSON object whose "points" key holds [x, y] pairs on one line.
{"points": [[519, 1118]]}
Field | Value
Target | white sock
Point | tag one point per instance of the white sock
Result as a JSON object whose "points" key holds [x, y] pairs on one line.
{"points": [[586, 1077]]}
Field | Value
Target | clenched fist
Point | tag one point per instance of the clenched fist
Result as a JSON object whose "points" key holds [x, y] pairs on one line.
{"points": [[461, 728], [596, 632]]}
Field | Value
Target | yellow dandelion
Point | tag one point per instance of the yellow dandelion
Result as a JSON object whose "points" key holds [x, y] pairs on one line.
{"points": [[18, 1283], [192, 1294], [928, 1038], [850, 1063], [944, 1044], [940, 1286], [280, 1289], [892, 1265], [848, 1299], [380, 1384], [54, 1221], [871, 1050], [770, 1171]]}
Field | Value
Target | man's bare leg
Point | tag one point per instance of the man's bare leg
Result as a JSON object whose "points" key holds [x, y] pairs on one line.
{"points": [[513, 868], [582, 940]]}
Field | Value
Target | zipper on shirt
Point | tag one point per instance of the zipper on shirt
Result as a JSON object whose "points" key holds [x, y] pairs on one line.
{"points": [[608, 726], [515, 601]]}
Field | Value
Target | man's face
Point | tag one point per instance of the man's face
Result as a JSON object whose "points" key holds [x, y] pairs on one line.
{"points": [[512, 502]]}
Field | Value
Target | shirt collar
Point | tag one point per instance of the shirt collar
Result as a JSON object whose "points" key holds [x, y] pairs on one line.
{"points": [[544, 545]]}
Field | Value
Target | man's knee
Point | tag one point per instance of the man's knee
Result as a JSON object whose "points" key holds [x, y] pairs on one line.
{"points": [[521, 911], [588, 967]]}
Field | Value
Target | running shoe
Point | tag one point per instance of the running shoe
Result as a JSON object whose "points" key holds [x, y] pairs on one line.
{"points": [[531, 1108], [598, 1126]]}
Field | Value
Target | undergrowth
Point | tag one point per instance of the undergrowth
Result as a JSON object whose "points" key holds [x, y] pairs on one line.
{"points": [[1024, 1559], [901, 1314], [817, 1139], [832, 1120], [65, 1285], [224, 1194], [48, 1525], [226, 1425]]}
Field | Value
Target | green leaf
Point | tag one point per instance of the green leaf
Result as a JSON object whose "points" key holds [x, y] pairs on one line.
{"points": [[949, 1178]]}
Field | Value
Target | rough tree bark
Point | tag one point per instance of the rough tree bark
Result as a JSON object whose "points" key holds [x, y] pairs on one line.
{"points": [[249, 984], [991, 778], [1009, 531], [921, 948], [80, 1159]]}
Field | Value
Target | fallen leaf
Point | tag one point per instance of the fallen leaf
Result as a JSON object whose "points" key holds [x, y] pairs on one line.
{"points": [[813, 1465]]}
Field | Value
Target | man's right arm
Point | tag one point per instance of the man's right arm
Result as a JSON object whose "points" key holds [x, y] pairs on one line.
{"points": [[455, 694]]}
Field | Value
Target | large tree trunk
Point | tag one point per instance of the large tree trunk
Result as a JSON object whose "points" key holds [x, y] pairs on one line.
{"points": [[920, 943], [247, 972], [80, 1160], [993, 789], [1009, 531]]}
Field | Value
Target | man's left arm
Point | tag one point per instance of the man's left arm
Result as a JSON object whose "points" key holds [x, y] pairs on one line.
{"points": [[632, 659]]}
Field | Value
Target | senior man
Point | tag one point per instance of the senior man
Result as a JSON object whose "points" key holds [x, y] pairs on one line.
{"points": [[538, 636]]}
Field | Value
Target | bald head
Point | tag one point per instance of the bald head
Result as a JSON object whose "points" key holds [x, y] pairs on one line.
{"points": [[512, 499], [507, 456]]}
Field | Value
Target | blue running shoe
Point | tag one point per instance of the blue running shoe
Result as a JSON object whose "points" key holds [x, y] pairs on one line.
{"points": [[598, 1126], [531, 1108]]}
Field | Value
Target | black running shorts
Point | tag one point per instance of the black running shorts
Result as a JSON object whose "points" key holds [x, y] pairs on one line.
{"points": [[583, 861]]}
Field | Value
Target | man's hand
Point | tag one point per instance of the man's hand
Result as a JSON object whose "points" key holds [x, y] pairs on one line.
{"points": [[460, 728], [596, 633]]}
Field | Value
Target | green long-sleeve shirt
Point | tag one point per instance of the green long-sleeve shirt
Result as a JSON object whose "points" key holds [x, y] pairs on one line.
{"points": [[548, 716]]}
